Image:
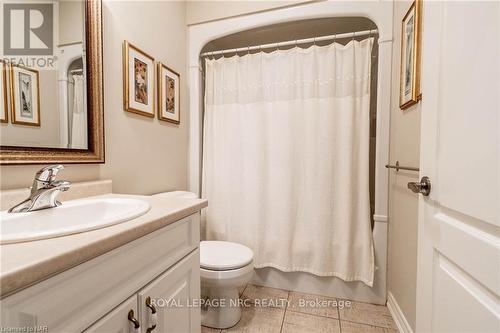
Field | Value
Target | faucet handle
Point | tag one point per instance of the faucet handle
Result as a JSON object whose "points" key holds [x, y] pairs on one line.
{"points": [[49, 173]]}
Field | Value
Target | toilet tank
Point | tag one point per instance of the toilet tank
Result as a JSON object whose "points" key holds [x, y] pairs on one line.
{"points": [[177, 194]]}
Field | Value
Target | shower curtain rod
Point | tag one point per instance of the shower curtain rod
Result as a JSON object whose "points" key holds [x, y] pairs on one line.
{"points": [[293, 42]]}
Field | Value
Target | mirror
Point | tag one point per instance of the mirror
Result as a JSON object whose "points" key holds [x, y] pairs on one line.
{"points": [[51, 84]]}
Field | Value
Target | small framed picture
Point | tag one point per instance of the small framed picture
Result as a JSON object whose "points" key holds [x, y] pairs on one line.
{"points": [[24, 95], [168, 94], [138, 81], [409, 93], [4, 114]]}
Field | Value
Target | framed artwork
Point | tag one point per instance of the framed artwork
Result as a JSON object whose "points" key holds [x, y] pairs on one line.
{"points": [[24, 95], [168, 94], [4, 114], [138, 81], [409, 91]]}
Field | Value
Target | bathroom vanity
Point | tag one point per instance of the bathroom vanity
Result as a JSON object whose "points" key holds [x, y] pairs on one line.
{"points": [[109, 279]]}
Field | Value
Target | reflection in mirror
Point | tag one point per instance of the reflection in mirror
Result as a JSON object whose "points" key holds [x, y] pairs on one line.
{"points": [[48, 104]]}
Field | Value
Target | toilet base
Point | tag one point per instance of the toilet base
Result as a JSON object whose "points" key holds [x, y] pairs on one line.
{"points": [[223, 310]]}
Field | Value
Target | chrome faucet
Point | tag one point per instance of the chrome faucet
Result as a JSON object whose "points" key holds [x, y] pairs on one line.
{"points": [[44, 191]]}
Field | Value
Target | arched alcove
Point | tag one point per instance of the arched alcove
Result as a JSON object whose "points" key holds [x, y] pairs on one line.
{"points": [[380, 14]]}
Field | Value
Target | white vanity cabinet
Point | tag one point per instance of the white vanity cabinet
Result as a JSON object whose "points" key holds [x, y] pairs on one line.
{"points": [[173, 292], [168, 307], [97, 295], [117, 320]]}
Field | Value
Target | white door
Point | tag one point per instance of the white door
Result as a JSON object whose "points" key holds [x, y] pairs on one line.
{"points": [[169, 298], [458, 283], [121, 320]]}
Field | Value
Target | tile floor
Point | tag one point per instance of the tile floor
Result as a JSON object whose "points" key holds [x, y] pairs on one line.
{"points": [[298, 314]]}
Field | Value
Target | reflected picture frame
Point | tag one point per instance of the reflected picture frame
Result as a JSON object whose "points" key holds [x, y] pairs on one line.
{"points": [[169, 103], [25, 96], [138, 81], [4, 106], [409, 88]]}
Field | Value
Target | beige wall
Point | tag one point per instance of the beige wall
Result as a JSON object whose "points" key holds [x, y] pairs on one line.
{"points": [[143, 155], [403, 204], [203, 11], [70, 22]]}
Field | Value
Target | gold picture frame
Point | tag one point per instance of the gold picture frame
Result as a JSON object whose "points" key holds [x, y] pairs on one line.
{"points": [[22, 102], [4, 114], [15, 155], [139, 88], [169, 103], [409, 87]]}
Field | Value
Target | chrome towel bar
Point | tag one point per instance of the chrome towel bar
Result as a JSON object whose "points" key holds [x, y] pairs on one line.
{"points": [[399, 167]]}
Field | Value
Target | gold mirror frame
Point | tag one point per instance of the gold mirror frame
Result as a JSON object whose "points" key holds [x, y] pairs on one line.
{"points": [[10, 155]]}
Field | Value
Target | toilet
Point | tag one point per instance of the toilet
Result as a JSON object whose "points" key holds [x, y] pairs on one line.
{"points": [[225, 267]]}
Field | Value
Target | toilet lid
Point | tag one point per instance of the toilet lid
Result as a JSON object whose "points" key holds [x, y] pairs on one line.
{"points": [[221, 256], [177, 194]]}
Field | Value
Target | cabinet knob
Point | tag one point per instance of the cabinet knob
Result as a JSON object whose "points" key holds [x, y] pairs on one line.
{"points": [[152, 315], [133, 320]]}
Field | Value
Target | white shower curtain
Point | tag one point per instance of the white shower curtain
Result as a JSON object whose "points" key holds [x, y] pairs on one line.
{"points": [[286, 158], [79, 124]]}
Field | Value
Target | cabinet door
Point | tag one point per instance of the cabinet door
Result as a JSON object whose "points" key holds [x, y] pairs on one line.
{"points": [[117, 321], [172, 295]]}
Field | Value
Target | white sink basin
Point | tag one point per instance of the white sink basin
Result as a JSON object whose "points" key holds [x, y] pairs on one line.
{"points": [[70, 218]]}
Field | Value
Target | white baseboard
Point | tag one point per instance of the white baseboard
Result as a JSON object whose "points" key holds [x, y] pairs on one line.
{"points": [[397, 314]]}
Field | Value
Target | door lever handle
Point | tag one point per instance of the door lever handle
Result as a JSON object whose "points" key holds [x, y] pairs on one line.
{"points": [[423, 187]]}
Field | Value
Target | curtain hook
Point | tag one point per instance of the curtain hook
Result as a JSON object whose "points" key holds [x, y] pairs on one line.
{"points": [[353, 35], [277, 46], [314, 41], [248, 49], [295, 43]]}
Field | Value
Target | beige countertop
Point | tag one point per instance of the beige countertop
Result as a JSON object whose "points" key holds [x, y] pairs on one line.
{"points": [[25, 264]]}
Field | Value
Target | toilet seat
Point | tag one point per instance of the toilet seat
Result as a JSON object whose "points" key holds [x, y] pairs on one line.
{"points": [[224, 256], [226, 275]]}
